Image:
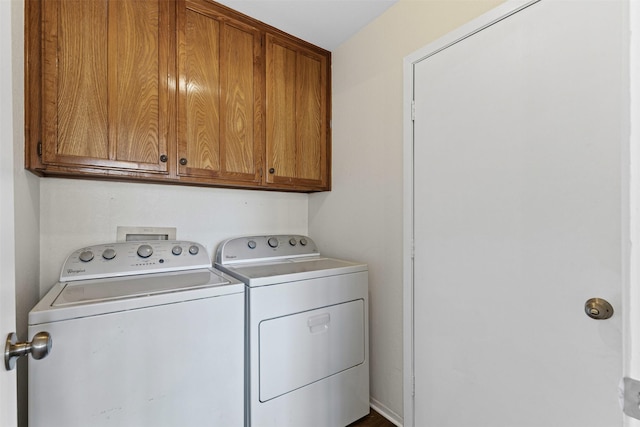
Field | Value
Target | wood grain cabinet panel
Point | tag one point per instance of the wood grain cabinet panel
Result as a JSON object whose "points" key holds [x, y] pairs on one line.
{"points": [[177, 91], [219, 106], [297, 110], [104, 84]]}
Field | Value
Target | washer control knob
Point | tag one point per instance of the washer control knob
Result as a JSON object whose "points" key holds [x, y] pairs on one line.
{"points": [[86, 256], [273, 242], [109, 253], [145, 251], [293, 241], [303, 241], [193, 250], [251, 244], [176, 250]]}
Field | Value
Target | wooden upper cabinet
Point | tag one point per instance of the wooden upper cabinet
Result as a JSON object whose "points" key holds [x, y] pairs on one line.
{"points": [[220, 99], [104, 83], [297, 114], [180, 91]]}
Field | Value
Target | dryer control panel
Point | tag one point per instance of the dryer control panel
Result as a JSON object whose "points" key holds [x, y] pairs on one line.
{"points": [[130, 258], [273, 247]]}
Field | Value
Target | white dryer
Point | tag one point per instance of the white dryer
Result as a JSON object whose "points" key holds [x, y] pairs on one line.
{"points": [[306, 332], [144, 334]]}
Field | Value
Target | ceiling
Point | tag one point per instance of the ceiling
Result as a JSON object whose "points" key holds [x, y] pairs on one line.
{"points": [[325, 23]]}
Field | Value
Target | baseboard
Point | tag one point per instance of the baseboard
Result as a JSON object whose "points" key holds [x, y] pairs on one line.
{"points": [[386, 412]]}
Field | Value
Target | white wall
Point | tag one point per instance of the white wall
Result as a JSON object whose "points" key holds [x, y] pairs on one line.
{"points": [[75, 213], [361, 218]]}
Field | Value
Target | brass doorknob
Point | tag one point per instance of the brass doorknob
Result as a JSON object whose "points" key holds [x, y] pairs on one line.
{"points": [[598, 309]]}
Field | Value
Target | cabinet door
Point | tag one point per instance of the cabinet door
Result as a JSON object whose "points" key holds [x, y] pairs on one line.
{"points": [[297, 112], [219, 104], [105, 83]]}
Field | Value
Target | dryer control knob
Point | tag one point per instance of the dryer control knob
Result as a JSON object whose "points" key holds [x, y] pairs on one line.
{"points": [[293, 241], [109, 254], [273, 242], [251, 244], [303, 241], [193, 250], [86, 256], [176, 250], [145, 251]]}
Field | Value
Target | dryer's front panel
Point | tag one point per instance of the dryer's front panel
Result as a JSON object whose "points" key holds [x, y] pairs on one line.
{"points": [[302, 348], [308, 352]]}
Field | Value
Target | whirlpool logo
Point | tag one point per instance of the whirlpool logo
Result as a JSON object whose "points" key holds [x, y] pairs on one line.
{"points": [[72, 271]]}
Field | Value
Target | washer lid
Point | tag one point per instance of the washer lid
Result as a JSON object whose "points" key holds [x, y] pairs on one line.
{"points": [[91, 291], [100, 296]]}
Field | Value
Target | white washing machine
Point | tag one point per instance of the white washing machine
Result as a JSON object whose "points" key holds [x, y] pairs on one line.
{"points": [[144, 334], [307, 332]]}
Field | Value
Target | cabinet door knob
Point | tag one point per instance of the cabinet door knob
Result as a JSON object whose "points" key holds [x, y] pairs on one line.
{"points": [[272, 170], [183, 161], [163, 158]]}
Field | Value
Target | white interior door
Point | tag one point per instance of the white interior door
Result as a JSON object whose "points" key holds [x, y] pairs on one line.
{"points": [[8, 406], [7, 241], [518, 209]]}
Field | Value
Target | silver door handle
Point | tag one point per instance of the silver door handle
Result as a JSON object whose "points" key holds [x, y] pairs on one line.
{"points": [[39, 348]]}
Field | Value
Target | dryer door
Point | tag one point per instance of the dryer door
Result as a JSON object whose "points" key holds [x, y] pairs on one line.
{"points": [[302, 348]]}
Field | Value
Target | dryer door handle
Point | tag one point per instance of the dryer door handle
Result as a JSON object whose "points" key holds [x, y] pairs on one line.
{"points": [[319, 323]]}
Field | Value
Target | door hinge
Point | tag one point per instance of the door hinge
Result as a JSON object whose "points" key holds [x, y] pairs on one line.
{"points": [[413, 110], [413, 386], [39, 149]]}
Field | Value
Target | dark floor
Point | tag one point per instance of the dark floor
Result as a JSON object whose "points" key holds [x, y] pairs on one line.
{"points": [[374, 419]]}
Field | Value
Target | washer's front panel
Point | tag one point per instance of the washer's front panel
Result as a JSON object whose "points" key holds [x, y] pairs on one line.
{"points": [[178, 364]]}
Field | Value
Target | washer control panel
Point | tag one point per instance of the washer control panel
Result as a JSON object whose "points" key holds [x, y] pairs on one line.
{"points": [[257, 248], [129, 258]]}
